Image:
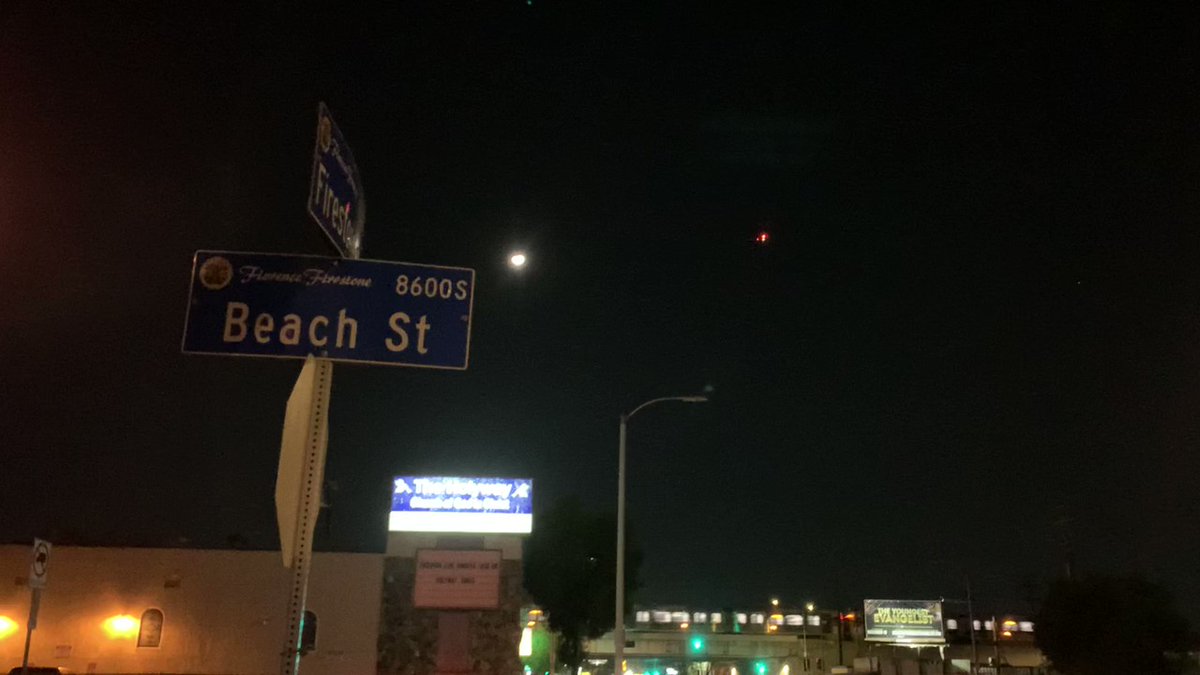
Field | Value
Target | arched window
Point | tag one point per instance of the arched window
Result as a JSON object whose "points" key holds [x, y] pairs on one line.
{"points": [[151, 628], [308, 632]]}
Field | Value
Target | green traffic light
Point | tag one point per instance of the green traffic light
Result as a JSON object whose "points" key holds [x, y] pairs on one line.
{"points": [[760, 668], [697, 644]]}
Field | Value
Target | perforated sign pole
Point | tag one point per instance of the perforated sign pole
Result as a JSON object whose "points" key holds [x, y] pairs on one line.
{"points": [[309, 507]]}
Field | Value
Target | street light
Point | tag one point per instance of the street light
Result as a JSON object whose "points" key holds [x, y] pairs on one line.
{"points": [[619, 628], [808, 608]]}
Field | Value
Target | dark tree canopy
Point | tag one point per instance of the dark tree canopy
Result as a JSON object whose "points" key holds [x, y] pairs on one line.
{"points": [[570, 572], [1102, 625]]}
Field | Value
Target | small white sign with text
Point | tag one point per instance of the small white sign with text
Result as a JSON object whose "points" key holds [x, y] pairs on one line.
{"points": [[457, 579]]}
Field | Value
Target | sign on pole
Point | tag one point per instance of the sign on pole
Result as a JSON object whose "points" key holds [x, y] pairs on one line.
{"points": [[39, 564], [335, 195], [305, 432], [293, 306], [38, 568]]}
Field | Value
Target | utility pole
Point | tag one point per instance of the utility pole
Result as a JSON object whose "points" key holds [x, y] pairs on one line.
{"points": [[841, 628], [971, 622], [995, 644], [1063, 526], [808, 607]]}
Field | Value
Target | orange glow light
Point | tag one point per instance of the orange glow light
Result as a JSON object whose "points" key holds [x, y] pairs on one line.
{"points": [[851, 616], [7, 627], [121, 626]]}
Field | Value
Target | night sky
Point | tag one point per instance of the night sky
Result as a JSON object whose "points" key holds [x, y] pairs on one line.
{"points": [[971, 344]]}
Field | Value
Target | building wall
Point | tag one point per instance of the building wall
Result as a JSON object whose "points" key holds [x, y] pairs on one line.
{"points": [[224, 611]]}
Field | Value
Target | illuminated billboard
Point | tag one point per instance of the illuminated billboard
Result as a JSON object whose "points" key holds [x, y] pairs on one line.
{"points": [[904, 621], [467, 505]]}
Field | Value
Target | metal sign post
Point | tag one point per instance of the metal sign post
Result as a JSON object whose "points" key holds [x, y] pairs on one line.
{"points": [[34, 603], [307, 420]]}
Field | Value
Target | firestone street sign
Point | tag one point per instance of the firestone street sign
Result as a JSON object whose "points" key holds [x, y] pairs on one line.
{"points": [[335, 195], [293, 306]]}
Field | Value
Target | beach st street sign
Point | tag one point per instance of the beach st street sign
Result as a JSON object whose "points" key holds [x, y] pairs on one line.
{"points": [[291, 306]]}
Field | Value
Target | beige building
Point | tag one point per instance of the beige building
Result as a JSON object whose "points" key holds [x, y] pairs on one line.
{"points": [[135, 610]]}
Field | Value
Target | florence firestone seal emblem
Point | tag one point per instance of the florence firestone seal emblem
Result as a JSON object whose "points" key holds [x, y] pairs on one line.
{"points": [[216, 273]]}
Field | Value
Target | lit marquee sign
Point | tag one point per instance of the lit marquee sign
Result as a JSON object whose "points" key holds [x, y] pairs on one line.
{"points": [[470, 505]]}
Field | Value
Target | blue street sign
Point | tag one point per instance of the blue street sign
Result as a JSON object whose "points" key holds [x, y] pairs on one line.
{"points": [[335, 195], [290, 306]]}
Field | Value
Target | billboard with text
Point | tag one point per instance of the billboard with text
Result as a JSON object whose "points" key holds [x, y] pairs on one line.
{"points": [[457, 504], [904, 621]]}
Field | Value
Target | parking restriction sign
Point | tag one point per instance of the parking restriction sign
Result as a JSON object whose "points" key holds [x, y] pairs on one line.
{"points": [[41, 560]]}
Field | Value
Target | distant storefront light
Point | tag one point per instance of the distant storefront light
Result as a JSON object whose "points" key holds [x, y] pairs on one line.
{"points": [[121, 626], [525, 648], [951, 624], [642, 617]]}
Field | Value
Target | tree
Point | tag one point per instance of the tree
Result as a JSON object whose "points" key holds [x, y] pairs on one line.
{"points": [[570, 571], [1103, 625]]}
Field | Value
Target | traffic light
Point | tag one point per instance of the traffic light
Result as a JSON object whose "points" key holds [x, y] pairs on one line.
{"points": [[760, 668], [846, 625], [697, 644]]}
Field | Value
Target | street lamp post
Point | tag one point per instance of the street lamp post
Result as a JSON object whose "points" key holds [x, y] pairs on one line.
{"points": [[808, 608], [619, 628]]}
